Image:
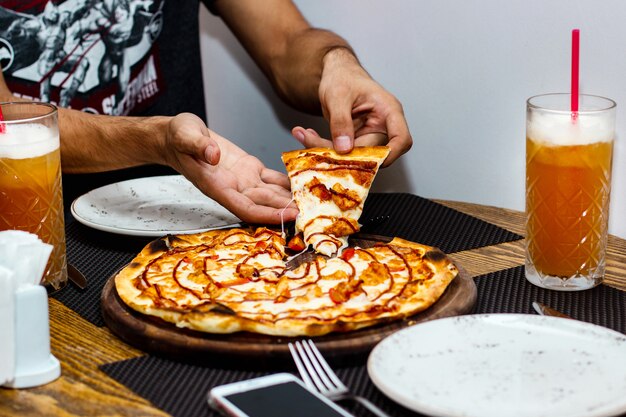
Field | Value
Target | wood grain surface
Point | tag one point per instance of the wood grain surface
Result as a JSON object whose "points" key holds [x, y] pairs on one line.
{"points": [[507, 255], [83, 390]]}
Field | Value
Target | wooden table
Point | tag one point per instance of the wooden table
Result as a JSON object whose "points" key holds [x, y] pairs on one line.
{"points": [[83, 390]]}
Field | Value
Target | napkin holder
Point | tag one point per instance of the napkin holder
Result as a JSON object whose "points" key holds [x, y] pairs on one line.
{"points": [[25, 329], [7, 325], [34, 364]]}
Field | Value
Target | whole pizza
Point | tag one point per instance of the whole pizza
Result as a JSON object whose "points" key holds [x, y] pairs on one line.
{"points": [[225, 281]]}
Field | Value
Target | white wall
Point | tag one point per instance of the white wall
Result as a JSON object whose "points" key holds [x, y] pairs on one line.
{"points": [[462, 69]]}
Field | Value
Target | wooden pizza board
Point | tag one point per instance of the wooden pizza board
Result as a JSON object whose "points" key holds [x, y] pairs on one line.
{"points": [[249, 350]]}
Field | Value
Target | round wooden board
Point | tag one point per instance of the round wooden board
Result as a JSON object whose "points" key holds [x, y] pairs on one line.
{"points": [[157, 336]]}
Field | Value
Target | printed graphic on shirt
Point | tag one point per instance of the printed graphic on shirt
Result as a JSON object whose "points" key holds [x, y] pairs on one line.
{"points": [[98, 56]]}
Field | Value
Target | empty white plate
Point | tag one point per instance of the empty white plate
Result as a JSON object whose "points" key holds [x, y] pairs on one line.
{"points": [[152, 206], [511, 365]]}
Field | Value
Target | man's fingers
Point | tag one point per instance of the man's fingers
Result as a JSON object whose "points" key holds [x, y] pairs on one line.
{"points": [[269, 176], [400, 140], [212, 153], [299, 133], [267, 197], [310, 138], [342, 131], [245, 207], [371, 139], [256, 214], [266, 215], [202, 147], [189, 135]]}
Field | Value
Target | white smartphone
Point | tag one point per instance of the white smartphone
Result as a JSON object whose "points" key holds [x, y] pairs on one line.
{"points": [[277, 395]]}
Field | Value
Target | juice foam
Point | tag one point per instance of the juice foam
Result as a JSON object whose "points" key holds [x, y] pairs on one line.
{"points": [[27, 140], [552, 129]]}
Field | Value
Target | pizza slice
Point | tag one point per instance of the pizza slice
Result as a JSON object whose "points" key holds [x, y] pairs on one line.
{"points": [[329, 189]]}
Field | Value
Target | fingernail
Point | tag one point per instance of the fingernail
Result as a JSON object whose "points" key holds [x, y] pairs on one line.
{"points": [[210, 154], [299, 136], [342, 143]]}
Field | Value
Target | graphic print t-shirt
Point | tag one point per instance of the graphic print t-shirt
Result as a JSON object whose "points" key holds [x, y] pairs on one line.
{"points": [[98, 56], [137, 57]]}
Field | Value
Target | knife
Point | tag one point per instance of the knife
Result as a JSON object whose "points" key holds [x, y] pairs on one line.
{"points": [[544, 310], [309, 254], [76, 277]]}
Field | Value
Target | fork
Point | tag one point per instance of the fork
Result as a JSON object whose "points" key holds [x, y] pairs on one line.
{"points": [[317, 374]]}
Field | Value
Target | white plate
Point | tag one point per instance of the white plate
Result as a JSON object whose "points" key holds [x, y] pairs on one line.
{"points": [[511, 365], [152, 206]]}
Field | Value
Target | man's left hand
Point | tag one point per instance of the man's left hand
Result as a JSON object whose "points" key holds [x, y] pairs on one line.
{"points": [[359, 111]]}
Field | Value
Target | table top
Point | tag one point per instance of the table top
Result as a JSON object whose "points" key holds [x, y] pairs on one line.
{"points": [[83, 389]]}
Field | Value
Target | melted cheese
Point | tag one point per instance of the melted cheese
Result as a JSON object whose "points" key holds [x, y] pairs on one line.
{"points": [[311, 207], [306, 290]]}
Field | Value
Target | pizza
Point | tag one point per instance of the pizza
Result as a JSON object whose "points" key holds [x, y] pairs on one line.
{"points": [[329, 190], [232, 280], [240, 279]]}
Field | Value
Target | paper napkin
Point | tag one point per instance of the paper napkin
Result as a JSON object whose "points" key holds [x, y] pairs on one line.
{"points": [[25, 255]]}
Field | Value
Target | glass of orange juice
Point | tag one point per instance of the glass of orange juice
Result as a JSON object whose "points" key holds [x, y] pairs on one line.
{"points": [[568, 183], [30, 180]]}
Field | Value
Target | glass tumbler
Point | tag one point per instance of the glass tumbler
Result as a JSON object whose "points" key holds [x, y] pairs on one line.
{"points": [[30, 180], [568, 183]]}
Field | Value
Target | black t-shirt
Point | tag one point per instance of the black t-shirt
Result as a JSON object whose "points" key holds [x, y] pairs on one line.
{"points": [[117, 57]]}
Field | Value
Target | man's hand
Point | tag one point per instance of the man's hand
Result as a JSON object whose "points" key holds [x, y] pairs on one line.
{"points": [[360, 112], [314, 69], [223, 171]]}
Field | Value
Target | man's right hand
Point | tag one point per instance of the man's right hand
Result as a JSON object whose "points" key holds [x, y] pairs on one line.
{"points": [[223, 171]]}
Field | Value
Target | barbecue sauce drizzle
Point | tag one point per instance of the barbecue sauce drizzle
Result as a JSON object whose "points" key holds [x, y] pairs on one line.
{"points": [[303, 314], [367, 168]]}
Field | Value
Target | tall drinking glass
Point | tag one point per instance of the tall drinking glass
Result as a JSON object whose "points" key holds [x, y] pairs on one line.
{"points": [[568, 182], [30, 180]]}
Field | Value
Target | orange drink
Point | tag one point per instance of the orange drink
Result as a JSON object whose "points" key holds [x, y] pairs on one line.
{"points": [[30, 180], [568, 182]]}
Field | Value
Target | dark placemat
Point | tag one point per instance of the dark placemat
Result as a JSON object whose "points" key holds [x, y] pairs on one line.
{"points": [[98, 255], [420, 220], [508, 291], [180, 389]]}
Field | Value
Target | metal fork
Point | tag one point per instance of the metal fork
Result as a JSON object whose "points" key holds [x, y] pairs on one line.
{"points": [[317, 374]]}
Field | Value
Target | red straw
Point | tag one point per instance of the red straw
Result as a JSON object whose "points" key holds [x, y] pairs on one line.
{"points": [[2, 125], [575, 70]]}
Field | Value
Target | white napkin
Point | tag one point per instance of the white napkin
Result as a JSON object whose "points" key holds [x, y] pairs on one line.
{"points": [[25, 255], [7, 325]]}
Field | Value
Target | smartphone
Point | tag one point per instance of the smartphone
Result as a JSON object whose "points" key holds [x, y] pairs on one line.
{"points": [[277, 395]]}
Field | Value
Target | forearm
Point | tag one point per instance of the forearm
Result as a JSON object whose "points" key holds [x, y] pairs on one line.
{"points": [[91, 143], [94, 143], [289, 51]]}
